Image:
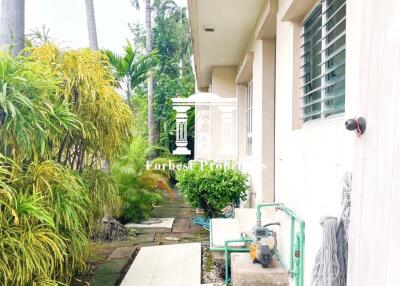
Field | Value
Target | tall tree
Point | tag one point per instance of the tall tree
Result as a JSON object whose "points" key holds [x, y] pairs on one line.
{"points": [[131, 68], [174, 73], [12, 25], [150, 97], [91, 24], [149, 48]]}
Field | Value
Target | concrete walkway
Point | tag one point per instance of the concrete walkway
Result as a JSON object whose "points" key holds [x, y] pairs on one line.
{"points": [[112, 259], [166, 265]]}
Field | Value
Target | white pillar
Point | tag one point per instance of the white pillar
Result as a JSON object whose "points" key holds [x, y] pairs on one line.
{"points": [[263, 148], [228, 141], [181, 130]]}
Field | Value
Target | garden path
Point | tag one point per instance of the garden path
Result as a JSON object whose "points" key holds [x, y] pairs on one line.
{"points": [[112, 260], [166, 265]]}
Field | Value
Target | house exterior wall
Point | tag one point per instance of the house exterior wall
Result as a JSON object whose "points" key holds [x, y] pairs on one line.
{"points": [[261, 163], [223, 119], [309, 160], [373, 80], [312, 158]]}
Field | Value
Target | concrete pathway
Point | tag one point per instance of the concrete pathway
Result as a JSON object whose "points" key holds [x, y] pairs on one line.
{"points": [[166, 265], [112, 260]]}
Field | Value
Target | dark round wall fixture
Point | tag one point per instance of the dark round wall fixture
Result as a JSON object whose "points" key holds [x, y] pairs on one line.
{"points": [[358, 125]]}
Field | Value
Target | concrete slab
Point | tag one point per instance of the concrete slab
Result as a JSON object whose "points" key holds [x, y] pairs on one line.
{"points": [[246, 273], [153, 223], [166, 265]]}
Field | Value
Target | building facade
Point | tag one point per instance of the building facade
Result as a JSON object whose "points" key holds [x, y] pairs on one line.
{"points": [[298, 70]]}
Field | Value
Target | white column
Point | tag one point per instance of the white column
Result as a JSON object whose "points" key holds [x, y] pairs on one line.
{"points": [[228, 146], [263, 149], [181, 130]]}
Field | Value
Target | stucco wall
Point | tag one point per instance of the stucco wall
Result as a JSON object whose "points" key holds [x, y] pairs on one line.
{"points": [[223, 135], [261, 163], [311, 160], [300, 165]]}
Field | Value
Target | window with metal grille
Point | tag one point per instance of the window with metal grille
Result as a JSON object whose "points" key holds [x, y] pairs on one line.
{"points": [[249, 119], [323, 69]]}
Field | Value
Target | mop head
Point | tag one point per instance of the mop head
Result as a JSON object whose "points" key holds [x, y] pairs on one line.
{"points": [[326, 267], [330, 268]]}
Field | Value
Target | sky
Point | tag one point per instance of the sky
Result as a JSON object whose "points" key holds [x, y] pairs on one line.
{"points": [[66, 20]]}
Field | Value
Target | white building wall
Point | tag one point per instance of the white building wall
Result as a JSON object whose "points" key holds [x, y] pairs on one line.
{"points": [[310, 159], [222, 139], [261, 165]]}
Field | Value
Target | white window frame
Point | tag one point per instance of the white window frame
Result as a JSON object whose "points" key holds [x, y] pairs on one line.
{"points": [[249, 119], [322, 85]]}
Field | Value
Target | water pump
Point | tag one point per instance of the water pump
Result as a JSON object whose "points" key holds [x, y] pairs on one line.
{"points": [[261, 251]]}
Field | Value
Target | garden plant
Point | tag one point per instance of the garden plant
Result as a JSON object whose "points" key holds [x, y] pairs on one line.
{"points": [[212, 187], [60, 120]]}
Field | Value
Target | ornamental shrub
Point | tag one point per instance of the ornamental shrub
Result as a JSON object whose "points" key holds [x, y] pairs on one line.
{"points": [[212, 187]]}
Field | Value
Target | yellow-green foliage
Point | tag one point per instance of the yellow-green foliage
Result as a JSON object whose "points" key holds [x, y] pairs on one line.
{"points": [[102, 190], [43, 236], [60, 120], [88, 87]]}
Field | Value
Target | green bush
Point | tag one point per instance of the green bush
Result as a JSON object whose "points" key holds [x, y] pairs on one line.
{"points": [[211, 187]]}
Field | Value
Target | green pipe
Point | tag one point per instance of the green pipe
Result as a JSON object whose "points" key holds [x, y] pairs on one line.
{"points": [[296, 268], [228, 250], [296, 248], [302, 238], [291, 240]]}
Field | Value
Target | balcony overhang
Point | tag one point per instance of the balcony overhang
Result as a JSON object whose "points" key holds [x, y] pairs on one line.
{"points": [[222, 31], [296, 9], [245, 71]]}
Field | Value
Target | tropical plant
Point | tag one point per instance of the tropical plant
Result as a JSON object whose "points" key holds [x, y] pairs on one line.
{"points": [[60, 118], [43, 223], [67, 201], [87, 87], [30, 115], [139, 185], [132, 68], [212, 186], [173, 76], [103, 192]]}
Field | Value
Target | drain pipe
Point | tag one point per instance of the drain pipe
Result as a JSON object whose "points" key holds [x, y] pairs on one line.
{"points": [[296, 240]]}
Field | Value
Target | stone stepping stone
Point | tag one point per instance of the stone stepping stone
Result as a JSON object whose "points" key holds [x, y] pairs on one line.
{"points": [[166, 265], [122, 253], [144, 237], [153, 223], [108, 273], [181, 225]]}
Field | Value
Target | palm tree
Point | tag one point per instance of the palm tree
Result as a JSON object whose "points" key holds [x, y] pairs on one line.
{"points": [[149, 48], [132, 68], [12, 25], [91, 24]]}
